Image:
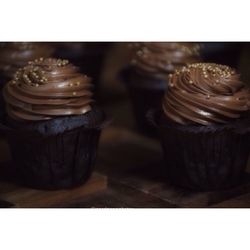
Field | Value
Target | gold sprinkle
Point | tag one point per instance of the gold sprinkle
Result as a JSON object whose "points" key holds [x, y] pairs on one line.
{"points": [[77, 83], [64, 62], [191, 82], [71, 84], [74, 93]]}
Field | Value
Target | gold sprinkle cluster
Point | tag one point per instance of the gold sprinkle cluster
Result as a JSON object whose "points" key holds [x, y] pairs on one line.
{"points": [[31, 75], [34, 75], [61, 62], [74, 84], [208, 68], [55, 62]]}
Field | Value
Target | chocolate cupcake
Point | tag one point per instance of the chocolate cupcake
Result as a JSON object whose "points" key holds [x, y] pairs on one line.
{"points": [[205, 127], [53, 125], [146, 77], [14, 55]]}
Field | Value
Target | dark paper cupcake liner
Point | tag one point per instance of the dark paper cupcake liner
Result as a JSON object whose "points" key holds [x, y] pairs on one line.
{"points": [[63, 160], [145, 93], [204, 158]]}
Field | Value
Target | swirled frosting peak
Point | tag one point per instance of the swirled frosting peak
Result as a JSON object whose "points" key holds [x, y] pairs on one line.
{"points": [[205, 93], [48, 88], [161, 58], [14, 55]]}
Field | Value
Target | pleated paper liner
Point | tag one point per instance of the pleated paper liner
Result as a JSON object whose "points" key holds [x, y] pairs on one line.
{"points": [[204, 158], [54, 161]]}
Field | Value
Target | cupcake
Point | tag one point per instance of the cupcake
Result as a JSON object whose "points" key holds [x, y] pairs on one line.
{"points": [[146, 77], [204, 127], [52, 125], [14, 55]]}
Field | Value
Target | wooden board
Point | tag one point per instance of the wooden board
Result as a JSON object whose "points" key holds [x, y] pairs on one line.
{"points": [[23, 197], [136, 161], [242, 201], [120, 196]]}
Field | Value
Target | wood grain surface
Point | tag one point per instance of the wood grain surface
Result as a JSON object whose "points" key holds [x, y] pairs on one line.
{"points": [[23, 197]]}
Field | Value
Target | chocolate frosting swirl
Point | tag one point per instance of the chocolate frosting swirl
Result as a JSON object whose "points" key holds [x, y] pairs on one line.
{"points": [[161, 58], [205, 93], [48, 88], [17, 54]]}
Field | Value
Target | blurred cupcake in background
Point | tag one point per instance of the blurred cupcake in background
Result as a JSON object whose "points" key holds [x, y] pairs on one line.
{"points": [[88, 56], [146, 77], [204, 127]]}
